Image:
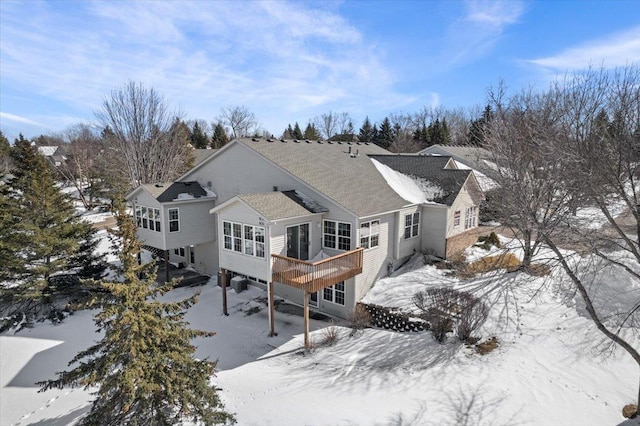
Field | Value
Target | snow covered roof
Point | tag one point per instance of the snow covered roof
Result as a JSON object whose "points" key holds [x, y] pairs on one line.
{"points": [[47, 150], [438, 184]]}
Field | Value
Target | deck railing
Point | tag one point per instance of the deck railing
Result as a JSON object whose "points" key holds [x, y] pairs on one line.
{"points": [[314, 276]]}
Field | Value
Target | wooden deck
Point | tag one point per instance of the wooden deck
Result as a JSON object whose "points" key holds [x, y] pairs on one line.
{"points": [[314, 276]]}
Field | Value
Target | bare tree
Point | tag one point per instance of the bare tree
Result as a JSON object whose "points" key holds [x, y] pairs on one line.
{"points": [[239, 119], [142, 142], [327, 124], [577, 145], [83, 148]]}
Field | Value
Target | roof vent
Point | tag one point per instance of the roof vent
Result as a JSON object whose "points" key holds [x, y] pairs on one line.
{"points": [[354, 155], [159, 185], [366, 143], [339, 142], [357, 143], [296, 141], [329, 142], [269, 140], [319, 141], [283, 141], [348, 143], [254, 139], [307, 141]]}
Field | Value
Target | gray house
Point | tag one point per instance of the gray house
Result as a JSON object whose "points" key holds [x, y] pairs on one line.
{"points": [[314, 222]]}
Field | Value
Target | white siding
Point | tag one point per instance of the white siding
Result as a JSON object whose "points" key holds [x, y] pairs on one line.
{"points": [[407, 247], [434, 225], [239, 262], [196, 224], [377, 259], [146, 236], [462, 201]]}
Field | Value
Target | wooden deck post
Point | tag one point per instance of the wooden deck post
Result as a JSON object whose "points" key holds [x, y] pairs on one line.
{"points": [[166, 266], [306, 320], [223, 278], [272, 327]]}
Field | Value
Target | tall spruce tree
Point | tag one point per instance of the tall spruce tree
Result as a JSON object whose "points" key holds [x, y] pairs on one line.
{"points": [[198, 137], [219, 138], [311, 132], [297, 133], [385, 135], [45, 246], [366, 131], [143, 366]]}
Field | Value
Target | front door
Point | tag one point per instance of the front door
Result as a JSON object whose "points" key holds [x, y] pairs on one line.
{"points": [[298, 240]]}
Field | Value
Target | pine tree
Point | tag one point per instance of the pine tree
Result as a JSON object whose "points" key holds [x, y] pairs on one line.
{"points": [[219, 138], [198, 138], [144, 364], [385, 134], [5, 150], [366, 131], [297, 133], [311, 132], [45, 245]]}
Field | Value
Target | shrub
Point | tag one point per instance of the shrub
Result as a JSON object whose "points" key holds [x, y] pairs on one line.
{"points": [[487, 346], [506, 261], [473, 314], [359, 319], [630, 411], [329, 335], [487, 241], [444, 307]]}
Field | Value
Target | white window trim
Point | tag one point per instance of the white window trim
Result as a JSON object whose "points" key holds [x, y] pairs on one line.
{"points": [[336, 235], [370, 234], [459, 213], [169, 220], [255, 244], [151, 214], [470, 217], [411, 226], [333, 294]]}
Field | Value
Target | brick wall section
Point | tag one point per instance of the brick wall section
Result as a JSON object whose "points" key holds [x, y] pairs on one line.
{"points": [[457, 244]]}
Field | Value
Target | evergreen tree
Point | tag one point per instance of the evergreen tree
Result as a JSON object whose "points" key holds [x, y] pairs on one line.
{"points": [[144, 364], [45, 245], [385, 134], [478, 127], [219, 138], [366, 131], [198, 138], [297, 133], [311, 132], [5, 154], [288, 132]]}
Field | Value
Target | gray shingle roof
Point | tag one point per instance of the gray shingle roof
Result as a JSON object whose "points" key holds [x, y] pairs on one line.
{"points": [[275, 205], [174, 191], [199, 155], [350, 180], [472, 156], [431, 169]]}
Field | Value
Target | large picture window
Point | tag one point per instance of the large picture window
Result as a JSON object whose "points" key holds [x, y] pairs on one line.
{"points": [[174, 220], [148, 218], [247, 239], [335, 293], [411, 225], [337, 235], [369, 234]]}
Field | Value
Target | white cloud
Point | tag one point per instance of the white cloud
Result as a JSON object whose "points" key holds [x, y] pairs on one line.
{"points": [[478, 31], [200, 55], [22, 120], [615, 50]]}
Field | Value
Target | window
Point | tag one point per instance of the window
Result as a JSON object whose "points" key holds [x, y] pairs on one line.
{"points": [[148, 218], [192, 255], [369, 234], [174, 220], [337, 235], [411, 225], [179, 251], [247, 239], [335, 293], [456, 218], [470, 217]]}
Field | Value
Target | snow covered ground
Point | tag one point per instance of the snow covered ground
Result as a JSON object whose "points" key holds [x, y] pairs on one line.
{"points": [[549, 369]]}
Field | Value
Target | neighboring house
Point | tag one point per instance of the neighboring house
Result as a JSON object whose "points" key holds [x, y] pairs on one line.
{"points": [[54, 154], [443, 183], [478, 159], [315, 222]]}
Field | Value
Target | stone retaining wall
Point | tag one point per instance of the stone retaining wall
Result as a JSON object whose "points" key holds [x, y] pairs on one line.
{"points": [[386, 318]]}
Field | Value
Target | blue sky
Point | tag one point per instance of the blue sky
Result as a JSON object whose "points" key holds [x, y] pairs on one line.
{"points": [[292, 61]]}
